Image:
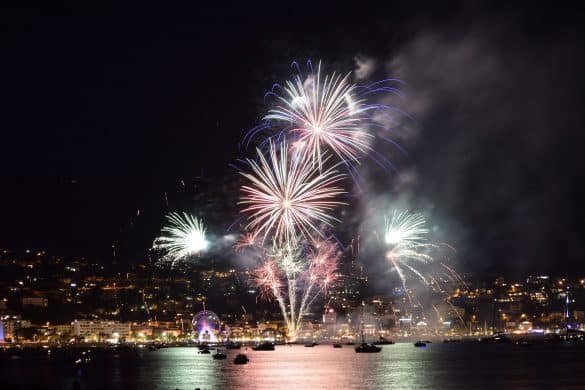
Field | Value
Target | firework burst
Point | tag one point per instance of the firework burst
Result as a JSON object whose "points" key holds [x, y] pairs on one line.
{"points": [[324, 112], [182, 237], [405, 234], [405, 228], [268, 280], [246, 240], [286, 197]]}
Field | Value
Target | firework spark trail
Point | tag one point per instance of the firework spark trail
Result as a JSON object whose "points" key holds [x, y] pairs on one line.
{"points": [[182, 237], [296, 277], [455, 275], [287, 197], [456, 312], [323, 263], [439, 316], [269, 283]]}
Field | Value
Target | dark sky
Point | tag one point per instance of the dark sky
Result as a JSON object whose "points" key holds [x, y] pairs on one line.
{"points": [[104, 110]]}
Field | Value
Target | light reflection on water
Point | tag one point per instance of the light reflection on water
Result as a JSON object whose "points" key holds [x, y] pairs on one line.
{"points": [[400, 366]]}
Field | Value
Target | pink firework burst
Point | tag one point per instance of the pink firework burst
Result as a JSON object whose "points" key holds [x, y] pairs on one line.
{"points": [[323, 264], [246, 240], [268, 280]]}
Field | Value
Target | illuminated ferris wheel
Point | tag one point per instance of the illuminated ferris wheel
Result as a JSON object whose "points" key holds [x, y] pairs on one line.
{"points": [[206, 324]]}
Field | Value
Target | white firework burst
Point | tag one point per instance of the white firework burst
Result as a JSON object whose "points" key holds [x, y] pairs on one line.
{"points": [[287, 196], [324, 112], [182, 237]]}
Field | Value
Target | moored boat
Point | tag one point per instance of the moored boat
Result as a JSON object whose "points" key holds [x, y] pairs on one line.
{"points": [[218, 355], [264, 347], [241, 359], [367, 348], [383, 341]]}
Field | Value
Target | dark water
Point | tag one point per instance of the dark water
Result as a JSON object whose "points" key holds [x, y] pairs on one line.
{"points": [[400, 366]]}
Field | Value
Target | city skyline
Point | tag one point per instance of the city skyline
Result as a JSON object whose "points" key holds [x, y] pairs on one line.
{"points": [[290, 195]]}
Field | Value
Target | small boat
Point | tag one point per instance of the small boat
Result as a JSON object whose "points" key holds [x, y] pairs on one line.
{"points": [[384, 341], [241, 359], [152, 348], [218, 355], [310, 345], [420, 344], [264, 347], [367, 348], [336, 345], [523, 343], [495, 339], [204, 351]]}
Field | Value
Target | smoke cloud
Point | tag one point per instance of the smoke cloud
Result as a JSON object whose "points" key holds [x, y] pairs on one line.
{"points": [[493, 135]]}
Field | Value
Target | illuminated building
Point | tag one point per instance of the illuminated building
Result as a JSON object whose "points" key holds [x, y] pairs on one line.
{"points": [[101, 330]]}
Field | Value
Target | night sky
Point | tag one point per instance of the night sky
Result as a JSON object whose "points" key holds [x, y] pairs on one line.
{"points": [[104, 110]]}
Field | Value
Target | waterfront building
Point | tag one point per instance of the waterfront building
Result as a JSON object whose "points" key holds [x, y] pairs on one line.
{"points": [[101, 330]]}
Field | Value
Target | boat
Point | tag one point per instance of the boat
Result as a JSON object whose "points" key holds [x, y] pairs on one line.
{"points": [[204, 351], [384, 341], [337, 345], [264, 347], [241, 359], [420, 344], [496, 339], [218, 355], [310, 345], [367, 348]]}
